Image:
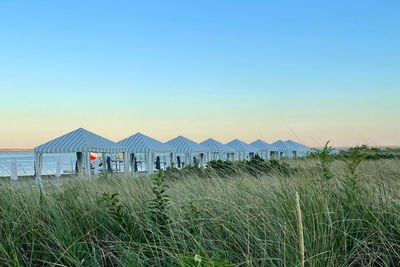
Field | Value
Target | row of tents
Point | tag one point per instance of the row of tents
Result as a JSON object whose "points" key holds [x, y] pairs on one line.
{"points": [[149, 152]]}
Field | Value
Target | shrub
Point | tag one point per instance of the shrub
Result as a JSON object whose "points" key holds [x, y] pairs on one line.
{"points": [[352, 181], [159, 205], [325, 161]]}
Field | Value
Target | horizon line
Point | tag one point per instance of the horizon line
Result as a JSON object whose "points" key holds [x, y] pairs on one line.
{"points": [[311, 147]]}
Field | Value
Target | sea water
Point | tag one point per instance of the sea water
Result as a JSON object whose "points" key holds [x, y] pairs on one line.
{"points": [[25, 162]]}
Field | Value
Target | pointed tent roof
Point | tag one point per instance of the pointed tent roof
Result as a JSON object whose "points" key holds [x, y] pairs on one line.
{"points": [[80, 140], [184, 145], [261, 145], [241, 146], [282, 146], [298, 146], [140, 143], [216, 146]]}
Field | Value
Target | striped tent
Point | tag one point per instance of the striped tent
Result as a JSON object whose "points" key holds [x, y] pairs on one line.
{"points": [[266, 150], [285, 150], [151, 148], [242, 149], [219, 150], [301, 150], [189, 149], [82, 142]]}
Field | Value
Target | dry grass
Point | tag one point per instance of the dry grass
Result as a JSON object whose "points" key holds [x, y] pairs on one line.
{"points": [[242, 220]]}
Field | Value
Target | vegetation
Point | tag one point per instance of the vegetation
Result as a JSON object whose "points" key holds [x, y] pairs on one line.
{"points": [[370, 153], [324, 161], [256, 213], [255, 167]]}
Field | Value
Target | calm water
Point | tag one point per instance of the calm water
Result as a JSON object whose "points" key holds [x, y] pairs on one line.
{"points": [[25, 162]]}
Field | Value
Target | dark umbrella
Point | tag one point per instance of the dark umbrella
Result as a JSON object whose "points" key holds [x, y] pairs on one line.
{"points": [[109, 169], [158, 163], [135, 165]]}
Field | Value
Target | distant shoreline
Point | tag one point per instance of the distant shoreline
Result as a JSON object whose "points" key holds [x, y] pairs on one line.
{"points": [[16, 149]]}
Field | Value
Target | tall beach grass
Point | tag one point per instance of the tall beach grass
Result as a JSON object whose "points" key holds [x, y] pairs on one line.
{"points": [[240, 219]]}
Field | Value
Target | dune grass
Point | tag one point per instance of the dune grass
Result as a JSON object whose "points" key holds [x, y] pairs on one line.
{"points": [[217, 220]]}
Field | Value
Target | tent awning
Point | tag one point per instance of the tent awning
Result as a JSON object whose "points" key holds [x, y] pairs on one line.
{"points": [[140, 143], [216, 146], [80, 140], [241, 146], [297, 146], [184, 145], [263, 146]]}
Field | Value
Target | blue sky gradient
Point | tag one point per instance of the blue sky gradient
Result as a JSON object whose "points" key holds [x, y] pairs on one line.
{"points": [[306, 70]]}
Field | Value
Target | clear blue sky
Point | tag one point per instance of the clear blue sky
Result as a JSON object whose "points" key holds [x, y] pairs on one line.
{"points": [[304, 70]]}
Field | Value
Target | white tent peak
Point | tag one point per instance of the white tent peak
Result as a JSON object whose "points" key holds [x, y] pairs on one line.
{"points": [[241, 146], [140, 143], [183, 145], [216, 146], [297, 145], [80, 140], [262, 145], [282, 146]]}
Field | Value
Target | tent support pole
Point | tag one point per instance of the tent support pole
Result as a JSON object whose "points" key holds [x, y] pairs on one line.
{"points": [[104, 162], [201, 160], [188, 158], [147, 160], [79, 158], [132, 163], [87, 158], [171, 160], [151, 163], [38, 166], [126, 162]]}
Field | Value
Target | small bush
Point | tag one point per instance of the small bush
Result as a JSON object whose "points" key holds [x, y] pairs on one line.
{"points": [[352, 181], [325, 161], [159, 205]]}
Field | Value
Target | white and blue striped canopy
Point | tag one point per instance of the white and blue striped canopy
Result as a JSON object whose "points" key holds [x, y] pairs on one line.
{"points": [[241, 146], [140, 143], [216, 146], [80, 140], [282, 146], [263, 146], [298, 146], [184, 145]]}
